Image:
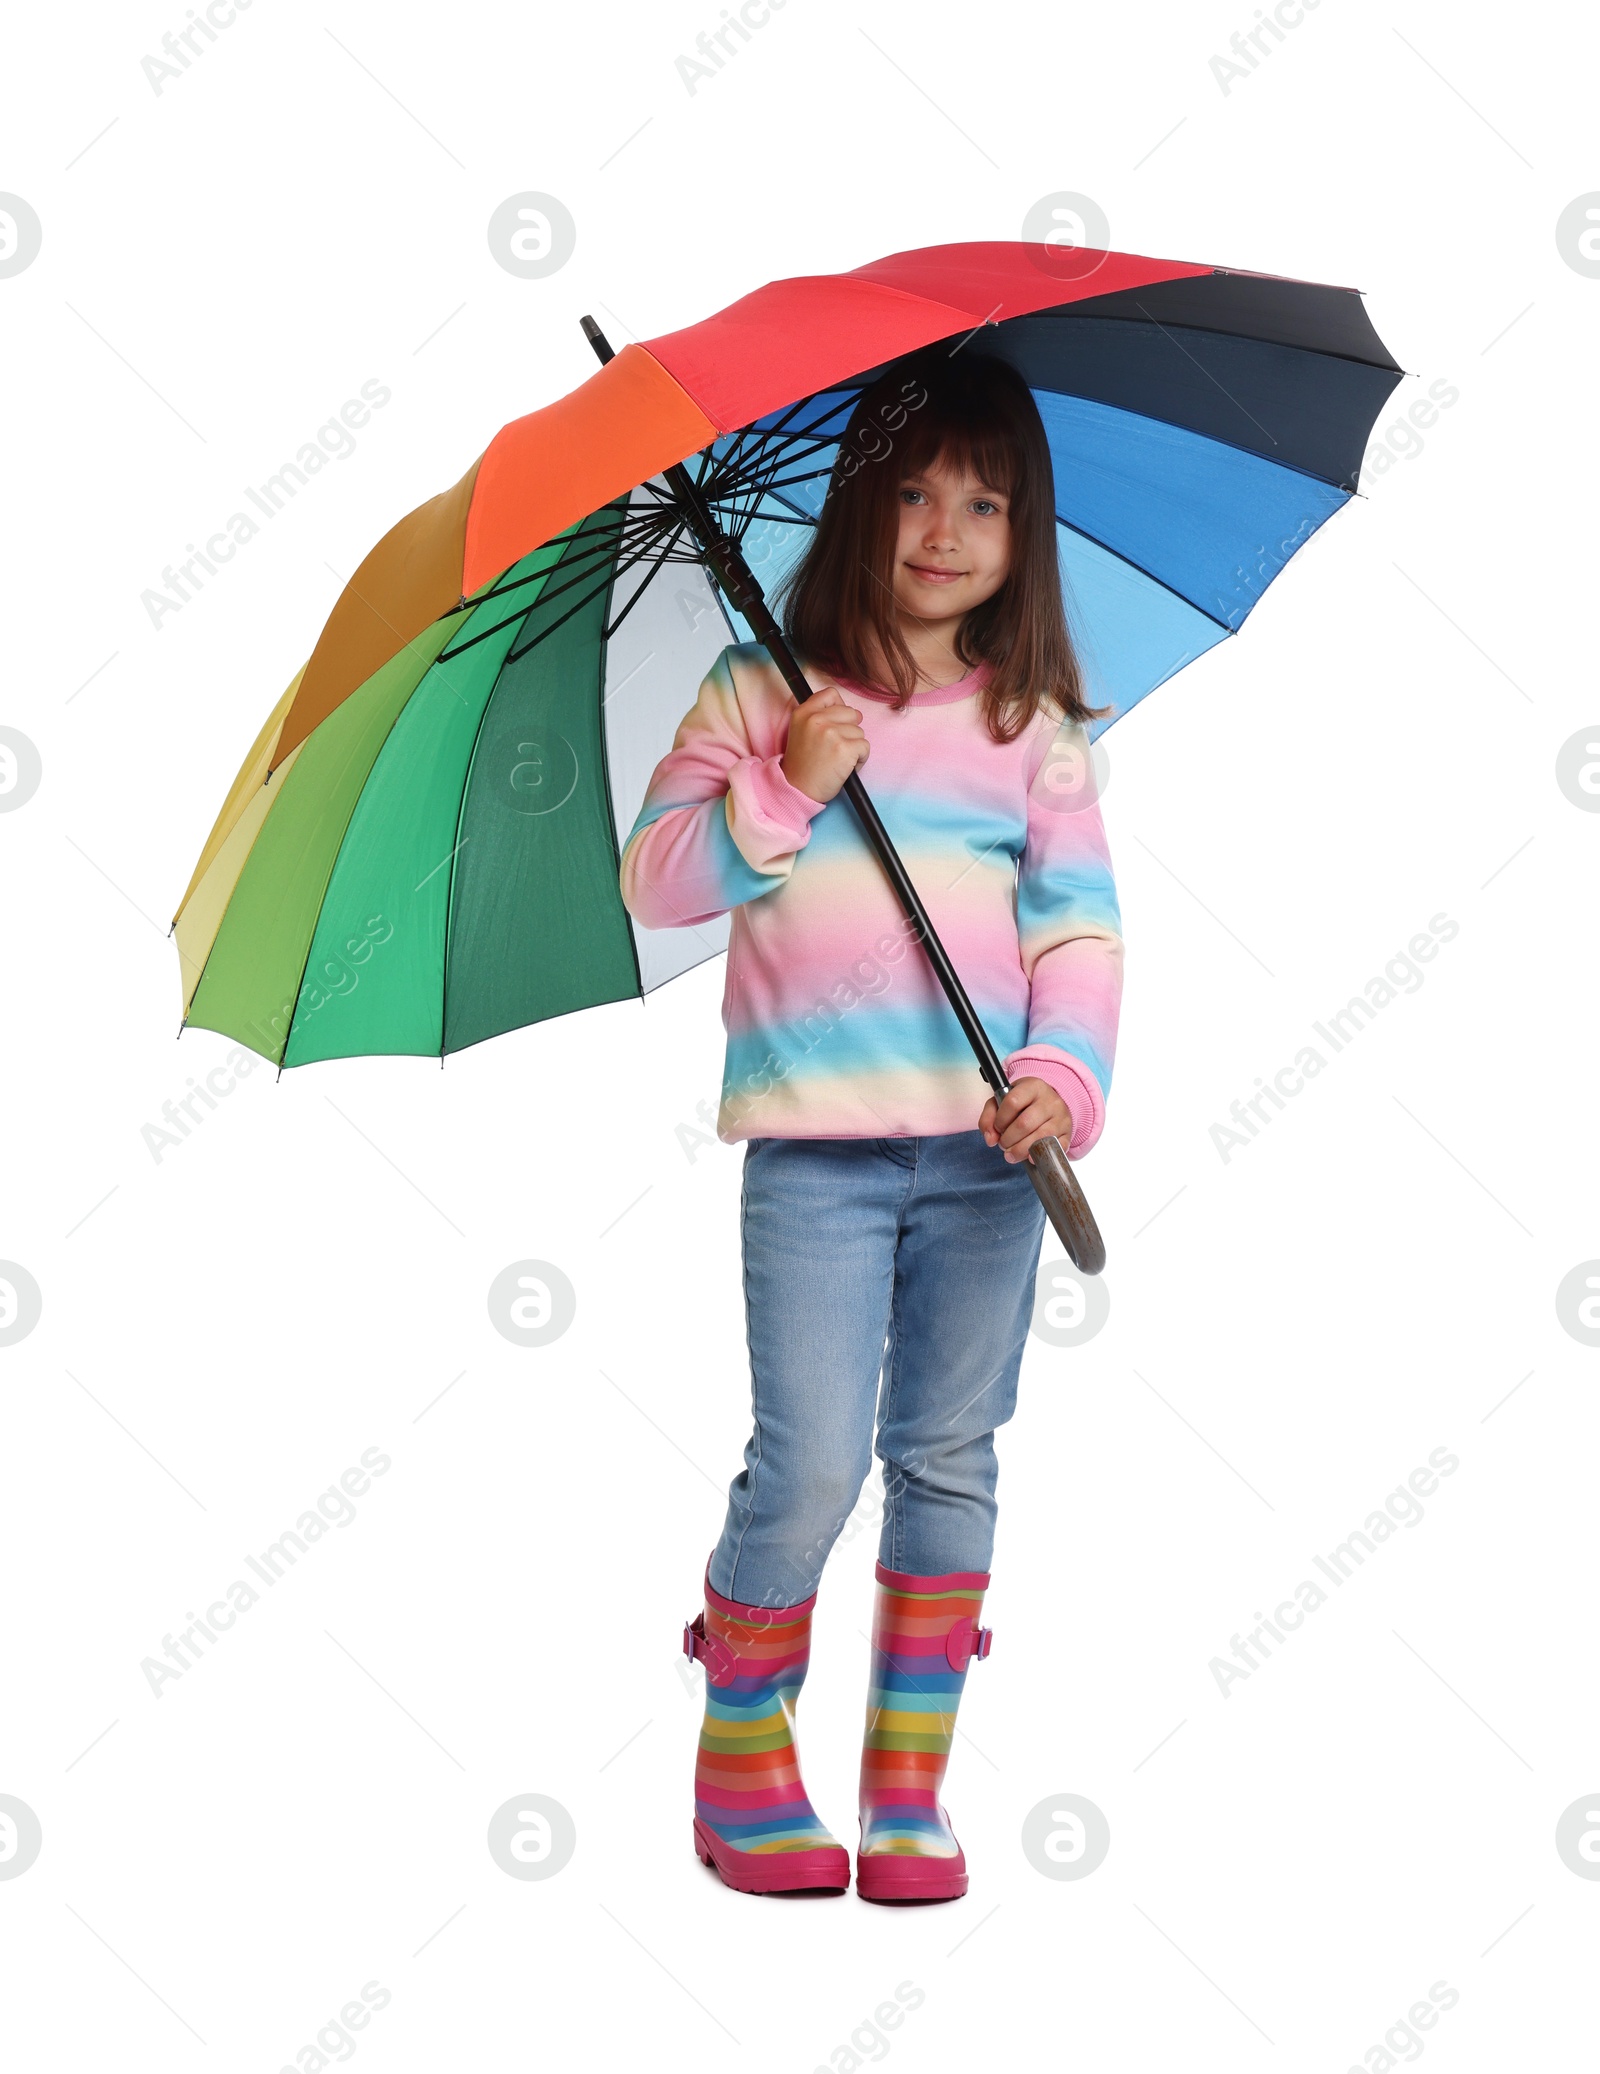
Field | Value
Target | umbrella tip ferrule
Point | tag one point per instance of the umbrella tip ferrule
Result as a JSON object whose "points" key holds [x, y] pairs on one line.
{"points": [[597, 339]]}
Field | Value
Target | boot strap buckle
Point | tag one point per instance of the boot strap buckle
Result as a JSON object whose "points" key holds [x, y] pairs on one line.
{"points": [[965, 1641], [721, 1666]]}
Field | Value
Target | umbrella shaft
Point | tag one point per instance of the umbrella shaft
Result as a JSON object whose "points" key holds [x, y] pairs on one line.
{"points": [[738, 581]]}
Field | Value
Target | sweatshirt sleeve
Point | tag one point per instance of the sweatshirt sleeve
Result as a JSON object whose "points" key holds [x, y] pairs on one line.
{"points": [[720, 823], [1069, 928]]}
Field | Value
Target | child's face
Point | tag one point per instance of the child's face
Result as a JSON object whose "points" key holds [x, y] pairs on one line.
{"points": [[954, 548]]}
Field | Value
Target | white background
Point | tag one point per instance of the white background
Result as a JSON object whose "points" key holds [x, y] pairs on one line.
{"points": [[1291, 1332]]}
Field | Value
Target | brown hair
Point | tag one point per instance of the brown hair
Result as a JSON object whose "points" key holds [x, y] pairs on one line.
{"points": [[972, 412]]}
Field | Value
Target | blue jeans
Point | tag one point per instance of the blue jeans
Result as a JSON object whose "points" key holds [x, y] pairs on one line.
{"points": [[888, 1287]]}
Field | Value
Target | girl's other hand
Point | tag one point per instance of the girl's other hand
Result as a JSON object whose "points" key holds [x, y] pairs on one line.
{"points": [[826, 744], [1033, 1110]]}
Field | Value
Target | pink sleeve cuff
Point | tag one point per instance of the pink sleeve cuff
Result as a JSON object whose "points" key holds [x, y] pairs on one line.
{"points": [[1076, 1086], [768, 817]]}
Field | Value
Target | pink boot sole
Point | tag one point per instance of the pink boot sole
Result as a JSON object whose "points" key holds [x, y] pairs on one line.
{"points": [[821, 1871], [891, 1876]]}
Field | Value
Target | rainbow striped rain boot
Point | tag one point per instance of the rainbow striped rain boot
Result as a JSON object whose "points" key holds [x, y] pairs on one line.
{"points": [[924, 1634], [752, 1818]]}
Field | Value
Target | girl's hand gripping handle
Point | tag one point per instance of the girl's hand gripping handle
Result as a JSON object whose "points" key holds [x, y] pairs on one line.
{"points": [[1029, 1121]]}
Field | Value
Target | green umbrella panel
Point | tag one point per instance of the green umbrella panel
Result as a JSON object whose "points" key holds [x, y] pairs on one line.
{"points": [[437, 862]]}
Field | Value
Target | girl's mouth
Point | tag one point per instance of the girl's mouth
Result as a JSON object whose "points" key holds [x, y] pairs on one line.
{"points": [[928, 575]]}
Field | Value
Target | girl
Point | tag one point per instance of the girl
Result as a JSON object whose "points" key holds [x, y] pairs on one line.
{"points": [[890, 1230]]}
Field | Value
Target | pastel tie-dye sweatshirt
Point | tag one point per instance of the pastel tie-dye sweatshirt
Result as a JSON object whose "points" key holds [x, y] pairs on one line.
{"points": [[837, 1027]]}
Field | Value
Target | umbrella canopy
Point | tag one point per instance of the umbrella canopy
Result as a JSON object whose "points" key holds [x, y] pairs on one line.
{"points": [[421, 849]]}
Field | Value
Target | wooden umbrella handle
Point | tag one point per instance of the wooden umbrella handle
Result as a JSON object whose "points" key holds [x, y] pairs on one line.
{"points": [[1065, 1205]]}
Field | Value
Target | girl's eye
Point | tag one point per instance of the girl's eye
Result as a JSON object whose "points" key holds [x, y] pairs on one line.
{"points": [[910, 495], [983, 504]]}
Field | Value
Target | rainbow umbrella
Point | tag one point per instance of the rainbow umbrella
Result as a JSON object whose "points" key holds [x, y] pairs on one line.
{"points": [[421, 849]]}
